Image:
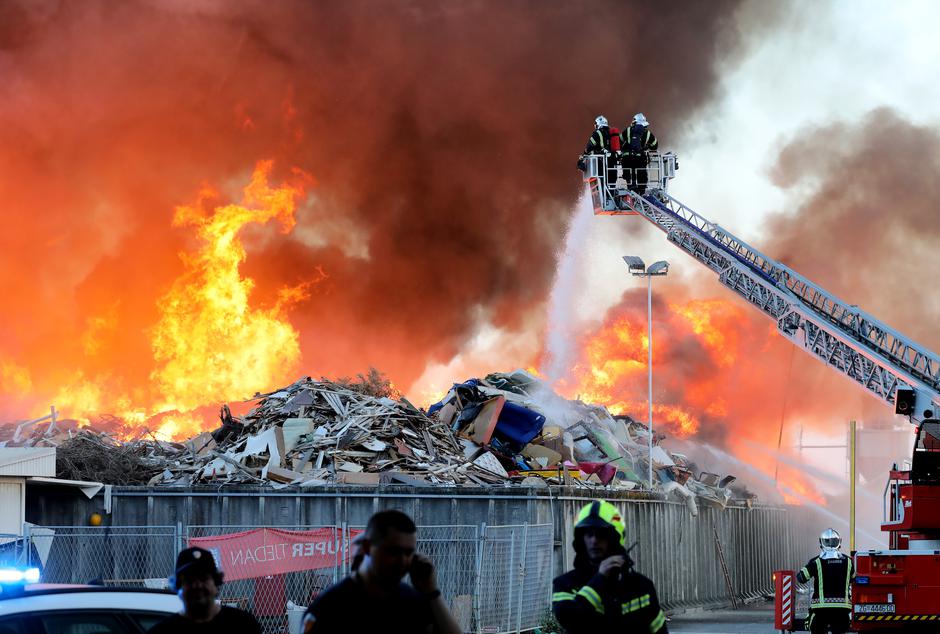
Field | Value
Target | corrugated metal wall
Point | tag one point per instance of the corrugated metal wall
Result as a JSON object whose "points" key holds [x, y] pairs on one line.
{"points": [[12, 504], [27, 461], [678, 551]]}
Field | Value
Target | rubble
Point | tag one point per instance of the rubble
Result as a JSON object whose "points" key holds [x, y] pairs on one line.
{"points": [[498, 430]]}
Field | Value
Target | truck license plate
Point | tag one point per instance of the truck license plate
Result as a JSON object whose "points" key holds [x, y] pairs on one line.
{"points": [[875, 608]]}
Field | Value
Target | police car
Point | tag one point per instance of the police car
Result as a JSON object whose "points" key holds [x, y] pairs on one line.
{"points": [[32, 608]]}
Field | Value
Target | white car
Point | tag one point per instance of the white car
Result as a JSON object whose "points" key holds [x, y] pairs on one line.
{"points": [[85, 610]]}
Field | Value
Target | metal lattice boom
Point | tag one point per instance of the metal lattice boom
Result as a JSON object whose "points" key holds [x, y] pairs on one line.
{"points": [[840, 335]]}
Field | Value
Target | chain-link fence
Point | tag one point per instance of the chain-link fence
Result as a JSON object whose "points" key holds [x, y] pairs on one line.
{"points": [[461, 556], [454, 551], [13, 550], [273, 598], [136, 556], [514, 583]]}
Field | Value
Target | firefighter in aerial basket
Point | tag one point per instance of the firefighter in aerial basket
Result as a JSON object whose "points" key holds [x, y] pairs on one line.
{"points": [[831, 572], [636, 142], [605, 141], [603, 593]]}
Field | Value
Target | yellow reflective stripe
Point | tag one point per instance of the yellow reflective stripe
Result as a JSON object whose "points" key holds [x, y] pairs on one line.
{"points": [[635, 604], [592, 597], [829, 604], [563, 596], [848, 578], [658, 622], [803, 575]]}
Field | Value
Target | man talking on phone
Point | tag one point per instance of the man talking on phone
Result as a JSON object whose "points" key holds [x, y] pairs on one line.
{"points": [[373, 598], [603, 593]]}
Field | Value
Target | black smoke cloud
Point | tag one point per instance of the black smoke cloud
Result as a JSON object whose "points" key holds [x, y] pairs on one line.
{"points": [[442, 137]]}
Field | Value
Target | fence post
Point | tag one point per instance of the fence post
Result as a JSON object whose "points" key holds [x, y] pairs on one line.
{"points": [[478, 582], [522, 575], [28, 545], [179, 539], [510, 576]]}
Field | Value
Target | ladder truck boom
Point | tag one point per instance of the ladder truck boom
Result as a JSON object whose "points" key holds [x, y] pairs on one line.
{"points": [[844, 337], [894, 589]]}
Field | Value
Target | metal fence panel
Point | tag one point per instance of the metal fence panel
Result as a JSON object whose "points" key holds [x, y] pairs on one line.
{"points": [[273, 597], [13, 549], [494, 578], [138, 556], [453, 549], [514, 583]]}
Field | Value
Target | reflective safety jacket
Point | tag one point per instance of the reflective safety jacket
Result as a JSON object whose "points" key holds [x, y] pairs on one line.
{"points": [[832, 578], [599, 142], [586, 602], [637, 140]]}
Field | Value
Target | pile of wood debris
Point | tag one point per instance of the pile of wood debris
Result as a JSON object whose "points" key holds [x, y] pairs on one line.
{"points": [[310, 433], [498, 429]]}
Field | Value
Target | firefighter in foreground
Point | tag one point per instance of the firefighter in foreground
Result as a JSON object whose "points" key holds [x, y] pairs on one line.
{"points": [[602, 593], [831, 572]]}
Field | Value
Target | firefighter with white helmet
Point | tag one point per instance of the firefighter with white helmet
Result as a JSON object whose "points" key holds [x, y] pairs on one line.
{"points": [[831, 572], [603, 593], [603, 142], [636, 142]]}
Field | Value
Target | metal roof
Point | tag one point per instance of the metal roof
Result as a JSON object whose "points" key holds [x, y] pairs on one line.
{"points": [[27, 461]]}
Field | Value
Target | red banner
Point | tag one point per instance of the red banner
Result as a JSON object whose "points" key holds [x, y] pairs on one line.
{"points": [[272, 551]]}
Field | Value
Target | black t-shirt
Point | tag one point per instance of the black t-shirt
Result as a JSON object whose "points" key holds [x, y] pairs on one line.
{"points": [[345, 607], [227, 621]]}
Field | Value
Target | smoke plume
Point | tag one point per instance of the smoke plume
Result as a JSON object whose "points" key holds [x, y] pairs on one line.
{"points": [[440, 139]]}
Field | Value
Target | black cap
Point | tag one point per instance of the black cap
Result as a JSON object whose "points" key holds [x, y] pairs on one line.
{"points": [[195, 558]]}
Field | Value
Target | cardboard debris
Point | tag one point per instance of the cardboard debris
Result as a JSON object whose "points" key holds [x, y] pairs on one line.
{"points": [[504, 427]]}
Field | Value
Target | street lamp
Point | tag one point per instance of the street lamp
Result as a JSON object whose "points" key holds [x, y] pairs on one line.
{"points": [[639, 269]]}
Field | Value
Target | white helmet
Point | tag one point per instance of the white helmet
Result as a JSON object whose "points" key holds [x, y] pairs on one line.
{"points": [[640, 118], [600, 121], [830, 540]]}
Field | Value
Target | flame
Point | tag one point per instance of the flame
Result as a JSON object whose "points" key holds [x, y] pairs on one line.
{"points": [[612, 369], [798, 491], [210, 344], [706, 317], [178, 425], [13, 377]]}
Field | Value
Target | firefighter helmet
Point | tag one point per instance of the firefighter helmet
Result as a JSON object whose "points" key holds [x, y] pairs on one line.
{"points": [[640, 118], [600, 121], [600, 514], [830, 540]]}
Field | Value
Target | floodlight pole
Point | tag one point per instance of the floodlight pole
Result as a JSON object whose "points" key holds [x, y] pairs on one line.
{"points": [[649, 368], [639, 269]]}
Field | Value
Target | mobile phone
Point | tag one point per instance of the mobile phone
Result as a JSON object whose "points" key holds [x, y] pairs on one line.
{"points": [[420, 568]]}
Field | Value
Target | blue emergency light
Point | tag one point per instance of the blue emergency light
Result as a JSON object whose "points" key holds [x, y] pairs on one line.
{"points": [[862, 581], [18, 576]]}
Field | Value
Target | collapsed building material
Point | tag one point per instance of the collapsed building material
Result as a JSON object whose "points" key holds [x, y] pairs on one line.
{"points": [[503, 428]]}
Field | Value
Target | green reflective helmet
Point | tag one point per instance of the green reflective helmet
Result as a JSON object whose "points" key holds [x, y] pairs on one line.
{"points": [[601, 514]]}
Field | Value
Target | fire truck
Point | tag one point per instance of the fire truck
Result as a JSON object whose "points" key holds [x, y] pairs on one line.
{"points": [[897, 589]]}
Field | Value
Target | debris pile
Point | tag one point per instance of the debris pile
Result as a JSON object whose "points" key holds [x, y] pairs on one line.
{"points": [[543, 438], [501, 429]]}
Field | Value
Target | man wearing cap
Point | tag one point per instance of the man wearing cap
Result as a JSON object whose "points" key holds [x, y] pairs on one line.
{"points": [[603, 593], [197, 581]]}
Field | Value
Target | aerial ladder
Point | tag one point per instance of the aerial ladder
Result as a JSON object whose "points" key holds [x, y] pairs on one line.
{"points": [[894, 589]]}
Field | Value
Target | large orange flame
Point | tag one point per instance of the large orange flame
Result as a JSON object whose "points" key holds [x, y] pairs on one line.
{"points": [[210, 343], [612, 369]]}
